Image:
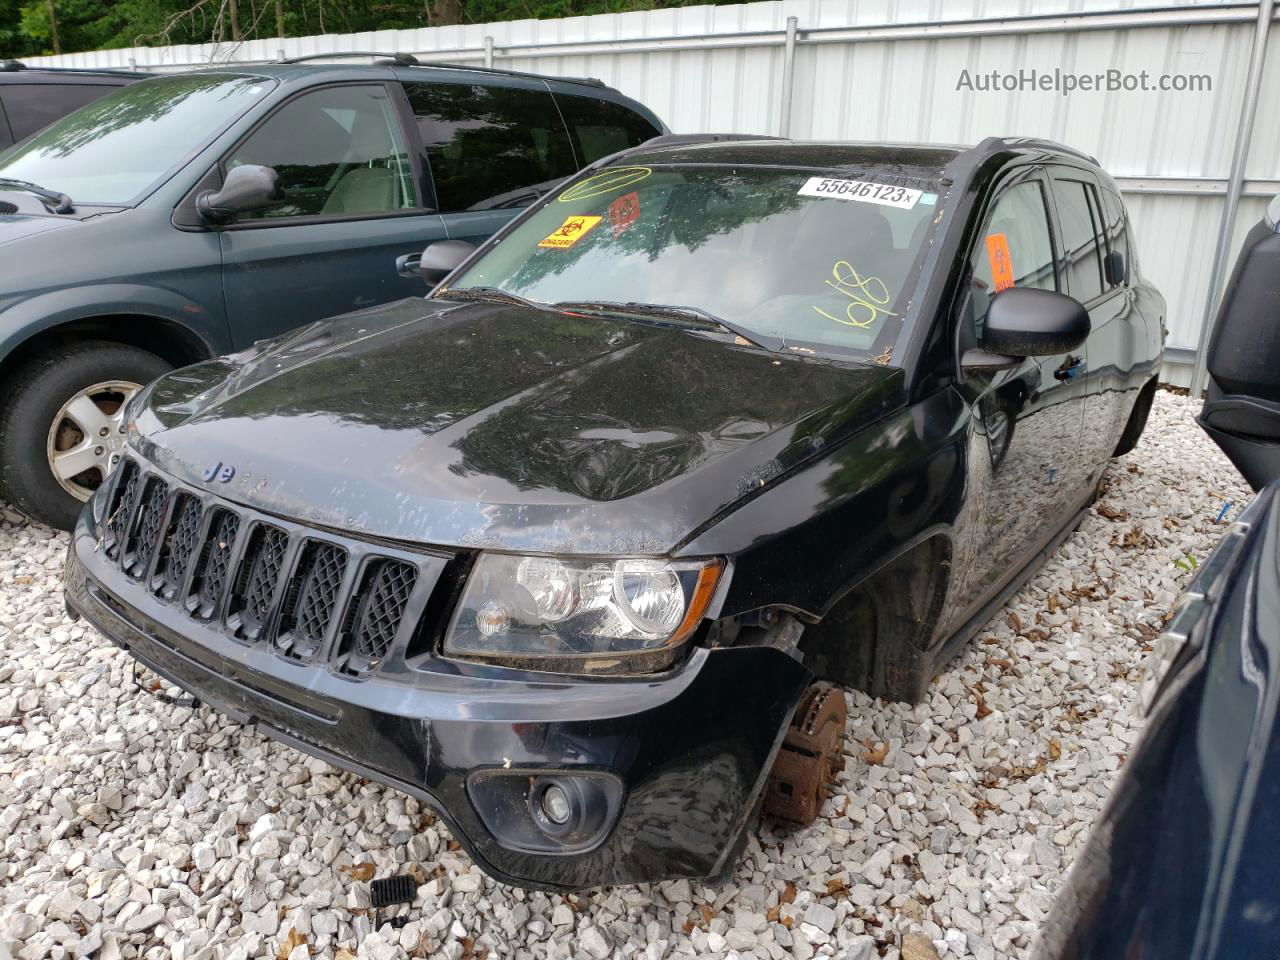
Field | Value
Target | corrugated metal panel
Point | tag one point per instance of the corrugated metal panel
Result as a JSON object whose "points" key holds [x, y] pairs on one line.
{"points": [[903, 88]]}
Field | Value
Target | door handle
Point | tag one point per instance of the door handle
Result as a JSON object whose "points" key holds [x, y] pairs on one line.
{"points": [[407, 265], [1070, 369]]}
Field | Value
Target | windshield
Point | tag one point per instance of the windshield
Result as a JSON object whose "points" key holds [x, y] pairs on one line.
{"points": [[789, 259], [110, 151]]}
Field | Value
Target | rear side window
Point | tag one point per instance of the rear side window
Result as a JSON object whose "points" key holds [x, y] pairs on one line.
{"points": [[600, 128], [1117, 230], [1081, 224], [490, 147], [33, 106]]}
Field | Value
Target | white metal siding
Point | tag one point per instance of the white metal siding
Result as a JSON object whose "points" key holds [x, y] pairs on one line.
{"points": [[721, 69]]}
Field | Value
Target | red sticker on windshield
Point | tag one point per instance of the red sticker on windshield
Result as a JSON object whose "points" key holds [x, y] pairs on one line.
{"points": [[1001, 261], [623, 212]]}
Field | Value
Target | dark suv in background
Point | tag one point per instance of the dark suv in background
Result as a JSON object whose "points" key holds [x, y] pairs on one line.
{"points": [[31, 98], [193, 214]]}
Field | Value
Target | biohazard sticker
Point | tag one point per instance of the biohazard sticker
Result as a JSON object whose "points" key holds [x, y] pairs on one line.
{"points": [[570, 232], [623, 212], [1001, 261]]}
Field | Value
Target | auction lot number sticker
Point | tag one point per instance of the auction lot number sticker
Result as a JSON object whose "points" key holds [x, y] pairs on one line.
{"points": [[881, 193]]}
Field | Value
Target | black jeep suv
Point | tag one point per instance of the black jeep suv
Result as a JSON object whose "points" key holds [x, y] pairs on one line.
{"points": [[561, 548]]}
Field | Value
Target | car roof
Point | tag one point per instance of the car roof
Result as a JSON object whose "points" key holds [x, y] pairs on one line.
{"points": [[322, 63], [15, 71], [837, 156]]}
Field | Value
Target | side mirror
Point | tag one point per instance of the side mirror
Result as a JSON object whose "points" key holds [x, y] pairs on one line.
{"points": [[1115, 268], [436, 262], [1027, 322], [249, 187]]}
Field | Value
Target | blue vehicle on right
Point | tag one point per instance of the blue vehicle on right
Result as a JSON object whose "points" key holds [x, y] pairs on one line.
{"points": [[1184, 863]]}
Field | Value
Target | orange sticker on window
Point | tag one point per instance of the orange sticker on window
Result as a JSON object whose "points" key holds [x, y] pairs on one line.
{"points": [[1001, 261], [623, 212], [570, 232]]}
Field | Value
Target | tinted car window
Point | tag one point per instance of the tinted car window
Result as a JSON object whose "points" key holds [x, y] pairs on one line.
{"points": [[1015, 249], [1078, 213], [33, 106], [338, 151], [600, 128], [1117, 230], [490, 147], [113, 149]]}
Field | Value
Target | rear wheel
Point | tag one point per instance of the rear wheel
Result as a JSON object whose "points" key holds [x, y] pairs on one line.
{"points": [[63, 430], [1137, 419]]}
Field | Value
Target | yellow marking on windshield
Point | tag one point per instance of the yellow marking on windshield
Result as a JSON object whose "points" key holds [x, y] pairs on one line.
{"points": [[608, 181], [868, 296], [570, 232]]}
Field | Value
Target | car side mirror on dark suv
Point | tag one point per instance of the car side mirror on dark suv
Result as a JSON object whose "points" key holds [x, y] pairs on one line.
{"points": [[248, 187], [436, 262], [1028, 322]]}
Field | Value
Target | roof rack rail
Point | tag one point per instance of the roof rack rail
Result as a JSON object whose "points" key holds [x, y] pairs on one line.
{"points": [[11, 66], [1047, 144], [409, 60]]}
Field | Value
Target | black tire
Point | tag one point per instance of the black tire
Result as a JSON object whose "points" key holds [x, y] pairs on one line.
{"points": [[40, 388], [1137, 419]]}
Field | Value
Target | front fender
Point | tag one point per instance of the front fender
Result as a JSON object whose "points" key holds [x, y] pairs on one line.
{"points": [[26, 318], [807, 541]]}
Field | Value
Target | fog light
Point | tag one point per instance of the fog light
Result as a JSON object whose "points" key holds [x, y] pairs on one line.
{"points": [[555, 804]]}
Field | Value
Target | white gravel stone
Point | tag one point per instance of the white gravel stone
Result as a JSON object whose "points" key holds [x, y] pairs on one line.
{"points": [[133, 829]]}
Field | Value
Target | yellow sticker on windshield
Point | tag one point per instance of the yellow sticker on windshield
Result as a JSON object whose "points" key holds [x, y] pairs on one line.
{"points": [[570, 232]]}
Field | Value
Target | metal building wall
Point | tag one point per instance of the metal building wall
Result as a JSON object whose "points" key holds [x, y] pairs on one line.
{"points": [[885, 70]]}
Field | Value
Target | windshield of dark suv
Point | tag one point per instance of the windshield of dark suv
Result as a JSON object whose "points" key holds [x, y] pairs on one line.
{"points": [[112, 150], [785, 258]]}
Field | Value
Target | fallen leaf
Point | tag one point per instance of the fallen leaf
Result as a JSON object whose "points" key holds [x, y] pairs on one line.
{"points": [[415, 871], [1014, 621], [1055, 750], [344, 954], [293, 938], [689, 925], [707, 914], [772, 914], [1111, 513], [1053, 603], [788, 894], [360, 871], [788, 921], [874, 755]]}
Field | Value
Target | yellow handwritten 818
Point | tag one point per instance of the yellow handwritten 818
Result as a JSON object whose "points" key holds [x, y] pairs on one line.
{"points": [[868, 296]]}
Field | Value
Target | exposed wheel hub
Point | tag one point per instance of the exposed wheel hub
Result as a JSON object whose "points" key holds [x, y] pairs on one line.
{"points": [[810, 757]]}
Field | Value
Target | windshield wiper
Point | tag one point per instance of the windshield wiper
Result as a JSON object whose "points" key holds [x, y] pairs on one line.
{"points": [[61, 202], [491, 293], [670, 310]]}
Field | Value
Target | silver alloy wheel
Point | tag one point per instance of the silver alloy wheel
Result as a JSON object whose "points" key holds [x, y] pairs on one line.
{"points": [[86, 438]]}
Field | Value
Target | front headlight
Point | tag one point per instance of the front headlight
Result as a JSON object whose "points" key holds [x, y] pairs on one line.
{"points": [[581, 616]]}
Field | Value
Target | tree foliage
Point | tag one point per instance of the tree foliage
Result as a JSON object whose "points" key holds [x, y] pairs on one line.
{"points": [[35, 27]]}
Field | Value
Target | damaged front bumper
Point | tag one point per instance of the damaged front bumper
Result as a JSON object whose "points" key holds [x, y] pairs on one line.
{"points": [[663, 774]]}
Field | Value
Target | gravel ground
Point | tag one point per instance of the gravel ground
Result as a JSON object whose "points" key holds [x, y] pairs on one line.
{"points": [[135, 829]]}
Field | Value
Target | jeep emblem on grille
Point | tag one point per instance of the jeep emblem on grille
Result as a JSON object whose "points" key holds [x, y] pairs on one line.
{"points": [[219, 472]]}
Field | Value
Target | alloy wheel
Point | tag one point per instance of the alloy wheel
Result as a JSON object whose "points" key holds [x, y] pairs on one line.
{"points": [[86, 437]]}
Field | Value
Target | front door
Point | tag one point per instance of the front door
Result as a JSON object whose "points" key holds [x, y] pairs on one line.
{"points": [[1025, 472], [350, 206]]}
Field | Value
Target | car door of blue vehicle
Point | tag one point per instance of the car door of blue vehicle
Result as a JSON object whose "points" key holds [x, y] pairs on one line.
{"points": [[351, 203], [1027, 475]]}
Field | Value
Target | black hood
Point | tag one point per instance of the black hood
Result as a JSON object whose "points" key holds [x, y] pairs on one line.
{"points": [[484, 424]]}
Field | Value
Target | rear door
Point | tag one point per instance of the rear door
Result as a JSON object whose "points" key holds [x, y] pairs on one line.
{"points": [[493, 147], [352, 203], [1114, 373]]}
